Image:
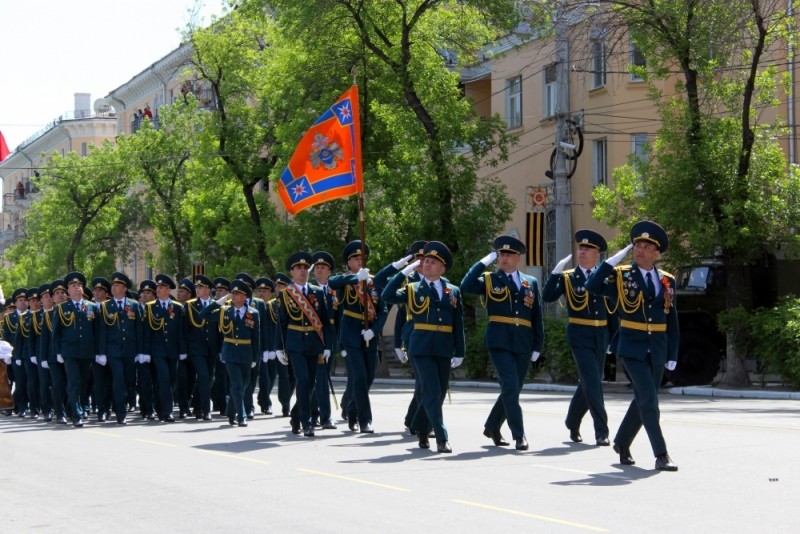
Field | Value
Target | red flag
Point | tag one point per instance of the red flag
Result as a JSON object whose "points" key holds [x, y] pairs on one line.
{"points": [[4, 151], [326, 164]]}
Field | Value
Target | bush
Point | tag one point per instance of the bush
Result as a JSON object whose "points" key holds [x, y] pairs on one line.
{"points": [[775, 340], [557, 352]]}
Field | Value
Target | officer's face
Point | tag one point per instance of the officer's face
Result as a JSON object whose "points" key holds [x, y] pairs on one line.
{"points": [[220, 292], [75, 291], [432, 268], [59, 296], [203, 292], [99, 294], [118, 289], [300, 274], [355, 263], [322, 272], [507, 261], [588, 256], [645, 254], [183, 294], [264, 293], [34, 303], [280, 286], [162, 292], [47, 300], [238, 298], [146, 295]]}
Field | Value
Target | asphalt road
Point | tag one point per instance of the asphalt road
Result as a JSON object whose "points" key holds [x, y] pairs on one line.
{"points": [[738, 460]]}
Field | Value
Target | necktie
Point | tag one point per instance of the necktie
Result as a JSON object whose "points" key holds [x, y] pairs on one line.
{"points": [[511, 281], [119, 304], [588, 273], [433, 291], [651, 290], [305, 291]]}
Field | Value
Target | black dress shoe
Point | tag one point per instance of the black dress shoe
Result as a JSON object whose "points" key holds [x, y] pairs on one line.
{"points": [[285, 413], [78, 423], [169, 419], [443, 446], [411, 431], [102, 417], [48, 417], [366, 428], [496, 437], [603, 442], [424, 443], [575, 435], [521, 444], [328, 425], [268, 411], [625, 457], [61, 420], [150, 417], [664, 463], [232, 420], [353, 426], [309, 432], [295, 427], [207, 417], [315, 423], [251, 414], [243, 423], [122, 421]]}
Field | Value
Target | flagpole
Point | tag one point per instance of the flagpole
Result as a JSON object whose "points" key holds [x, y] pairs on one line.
{"points": [[361, 215]]}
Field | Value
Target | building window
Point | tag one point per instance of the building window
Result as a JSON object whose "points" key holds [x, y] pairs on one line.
{"points": [[638, 62], [598, 63], [600, 160], [514, 102], [638, 145], [84, 149], [550, 93]]}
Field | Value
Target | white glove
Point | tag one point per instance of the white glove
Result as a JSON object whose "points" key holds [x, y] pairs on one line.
{"points": [[265, 356], [367, 334], [252, 365], [145, 358], [326, 354], [343, 353], [7, 360], [17, 362], [59, 358], [456, 362], [182, 357], [282, 357], [45, 365], [535, 356], [489, 258], [616, 258], [33, 360], [401, 355], [559, 268], [363, 274], [101, 359], [402, 262], [137, 358], [408, 269], [222, 300], [671, 365], [271, 355]]}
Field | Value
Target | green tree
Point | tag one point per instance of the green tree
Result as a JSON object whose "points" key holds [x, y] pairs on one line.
{"points": [[84, 220], [715, 177]]}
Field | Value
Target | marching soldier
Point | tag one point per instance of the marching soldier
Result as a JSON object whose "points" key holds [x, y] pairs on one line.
{"points": [[74, 341], [324, 265], [647, 339], [587, 333], [514, 334], [219, 388], [261, 306], [27, 331], [58, 374], [120, 341], [15, 332], [164, 342], [101, 373], [268, 372], [145, 370], [240, 326], [284, 373], [363, 315], [303, 335], [35, 355], [437, 341], [203, 344], [186, 373], [42, 328]]}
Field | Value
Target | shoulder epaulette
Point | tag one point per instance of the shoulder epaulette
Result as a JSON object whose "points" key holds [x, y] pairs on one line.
{"points": [[665, 273], [623, 268], [568, 271]]}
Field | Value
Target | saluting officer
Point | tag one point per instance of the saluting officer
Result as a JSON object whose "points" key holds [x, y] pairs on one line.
{"points": [[363, 315], [514, 334], [587, 333], [164, 341], [647, 339], [203, 344], [437, 341], [74, 341], [303, 336], [120, 341]]}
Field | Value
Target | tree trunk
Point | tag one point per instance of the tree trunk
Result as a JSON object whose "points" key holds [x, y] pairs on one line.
{"points": [[736, 374]]}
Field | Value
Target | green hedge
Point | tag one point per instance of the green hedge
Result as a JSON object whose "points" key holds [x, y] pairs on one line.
{"points": [[774, 338]]}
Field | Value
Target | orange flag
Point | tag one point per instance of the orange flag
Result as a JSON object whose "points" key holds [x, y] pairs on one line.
{"points": [[3, 147], [326, 164]]}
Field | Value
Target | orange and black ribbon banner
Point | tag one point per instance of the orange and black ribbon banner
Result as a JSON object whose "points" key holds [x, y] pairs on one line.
{"points": [[198, 268], [534, 227]]}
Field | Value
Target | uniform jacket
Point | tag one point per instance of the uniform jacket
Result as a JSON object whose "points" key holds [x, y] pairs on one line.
{"points": [[37, 340], [202, 333], [163, 330], [294, 332], [636, 311], [120, 329], [241, 338], [352, 321], [75, 329], [437, 324], [508, 305], [11, 333], [581, 306]]}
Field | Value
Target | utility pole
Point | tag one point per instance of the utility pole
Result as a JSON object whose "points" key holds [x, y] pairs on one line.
{"points": [[563, 196]]}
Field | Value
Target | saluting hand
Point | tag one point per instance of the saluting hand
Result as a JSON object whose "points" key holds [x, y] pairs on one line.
{"points": [[410, 268], [616, 258], [559, 268]]}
